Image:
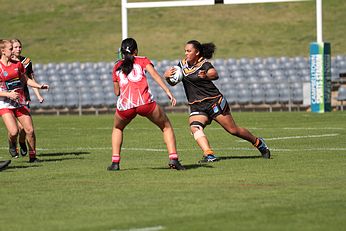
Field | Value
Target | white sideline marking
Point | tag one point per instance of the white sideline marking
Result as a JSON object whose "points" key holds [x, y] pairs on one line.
{"points": [[154, 228], [299, 137], [296, 137], [326, 128]]}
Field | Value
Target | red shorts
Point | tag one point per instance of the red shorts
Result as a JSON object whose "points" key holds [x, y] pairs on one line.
{"points": [[17, 112], [143, 110]]}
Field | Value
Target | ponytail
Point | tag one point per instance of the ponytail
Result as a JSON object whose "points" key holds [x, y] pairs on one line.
{"points": [[128, 48]]}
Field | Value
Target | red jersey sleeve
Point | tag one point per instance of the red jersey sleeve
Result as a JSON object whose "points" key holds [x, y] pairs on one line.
{"points": [[114, 74]]}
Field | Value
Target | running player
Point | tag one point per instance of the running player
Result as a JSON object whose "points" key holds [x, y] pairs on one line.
{"points": [[134, 97], [13, 102], [205, 100], [26, 61]]}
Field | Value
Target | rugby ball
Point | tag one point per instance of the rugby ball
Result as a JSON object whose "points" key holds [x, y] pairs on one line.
{"points": [[177, 76]]}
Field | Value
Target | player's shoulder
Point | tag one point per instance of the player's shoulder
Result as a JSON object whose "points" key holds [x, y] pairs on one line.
{"points": [[17, 63], [25, 60], [142, 59], [118, 63]]}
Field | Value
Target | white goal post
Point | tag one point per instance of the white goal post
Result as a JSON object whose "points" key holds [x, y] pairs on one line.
{"points": [[130, 5]]}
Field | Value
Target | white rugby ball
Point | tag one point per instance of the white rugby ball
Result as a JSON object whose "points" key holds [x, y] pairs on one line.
{"points": [[177, 76]]}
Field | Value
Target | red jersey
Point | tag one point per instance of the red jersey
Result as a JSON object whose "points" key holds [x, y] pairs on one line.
{"points": [[134, 88], [11, 79]]}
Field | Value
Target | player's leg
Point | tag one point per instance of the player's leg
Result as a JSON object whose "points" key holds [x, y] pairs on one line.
{"points": [[22, 140], [156, 115], [197, 125], [12, 132], [228, 123], [120, 123], [28, 126]]}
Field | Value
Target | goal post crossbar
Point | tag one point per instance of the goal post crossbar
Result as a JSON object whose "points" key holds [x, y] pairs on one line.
{"points": [[130, 5], [199, 3]]}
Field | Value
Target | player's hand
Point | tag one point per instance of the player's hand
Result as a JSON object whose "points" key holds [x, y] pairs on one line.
{"points": [[44, 86], [172, 99], [202, 74], [13, 95], [40, 99], [169, 72]]}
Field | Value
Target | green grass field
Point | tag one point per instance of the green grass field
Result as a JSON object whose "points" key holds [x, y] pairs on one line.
{"points": [[90, 30], [303, 187]]}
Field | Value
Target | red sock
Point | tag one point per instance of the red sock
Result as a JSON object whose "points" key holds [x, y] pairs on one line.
{"points": [[32, 154], [115, 158], [173, 156]]}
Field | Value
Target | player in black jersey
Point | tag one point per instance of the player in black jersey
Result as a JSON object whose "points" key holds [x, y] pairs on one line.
{"points": [[206, 101], [26, 61]]}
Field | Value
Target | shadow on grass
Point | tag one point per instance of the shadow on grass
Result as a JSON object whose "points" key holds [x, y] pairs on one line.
{"points": [[239, 157], [188, 166], [22, 167], [61, 159], [63, 153]]}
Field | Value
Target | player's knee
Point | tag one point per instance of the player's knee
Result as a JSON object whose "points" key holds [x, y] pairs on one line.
{"points": [[197, 129], [29, 131], [13, 133]]}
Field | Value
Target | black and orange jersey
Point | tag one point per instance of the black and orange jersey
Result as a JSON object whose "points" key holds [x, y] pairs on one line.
{"points": [[197, 89], [26, 61]]}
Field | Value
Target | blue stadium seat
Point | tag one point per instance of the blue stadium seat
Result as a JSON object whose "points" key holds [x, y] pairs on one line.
{"points": [[284, 96], [244, 96], [258, 96], [297, 97], [341, 93], [271, 96]]}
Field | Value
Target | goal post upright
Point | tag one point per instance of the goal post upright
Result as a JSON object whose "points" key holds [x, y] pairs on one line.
{"points": [[320, 69], [320, 52]]}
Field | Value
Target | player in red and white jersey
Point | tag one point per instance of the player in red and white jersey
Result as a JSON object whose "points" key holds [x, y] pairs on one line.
{"points": [[134, 87], [134, 97], [26, 61], [13, 102]]}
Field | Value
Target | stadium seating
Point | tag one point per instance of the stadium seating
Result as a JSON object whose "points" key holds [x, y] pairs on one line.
{"points": [[342, 96], [245, 82]]}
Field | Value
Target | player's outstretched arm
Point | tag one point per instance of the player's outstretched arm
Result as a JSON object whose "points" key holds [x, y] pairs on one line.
{"points": [[156, 76]]}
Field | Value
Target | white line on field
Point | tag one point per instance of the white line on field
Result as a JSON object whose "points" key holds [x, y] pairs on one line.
{"points": [[296, 137], [299, 137], [155, 228]]}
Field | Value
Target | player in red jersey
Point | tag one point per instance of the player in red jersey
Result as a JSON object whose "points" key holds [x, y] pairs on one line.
{"points": [[13, 102], [134, 97], [26, 61]]}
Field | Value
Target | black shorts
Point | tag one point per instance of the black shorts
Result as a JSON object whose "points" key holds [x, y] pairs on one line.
{"points": [[211, 107]]}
